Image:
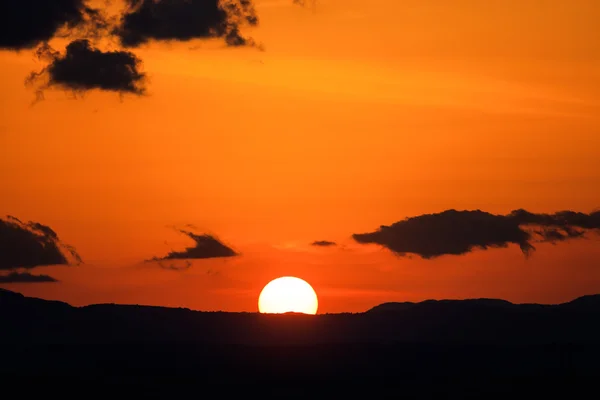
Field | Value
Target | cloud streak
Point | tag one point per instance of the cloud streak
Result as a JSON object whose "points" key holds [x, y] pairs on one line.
{"points": [[323, 243], [459, 232], [26, 277]]}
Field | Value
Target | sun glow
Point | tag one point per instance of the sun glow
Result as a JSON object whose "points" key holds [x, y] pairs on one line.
{"points": [[288, 294]]}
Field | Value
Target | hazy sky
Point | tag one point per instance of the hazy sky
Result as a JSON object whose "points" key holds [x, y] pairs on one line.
{"points": [[357, 114]]}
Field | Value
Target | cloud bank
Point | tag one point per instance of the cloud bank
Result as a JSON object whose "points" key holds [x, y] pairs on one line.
{"points": [[29, 24], [459, 232]]}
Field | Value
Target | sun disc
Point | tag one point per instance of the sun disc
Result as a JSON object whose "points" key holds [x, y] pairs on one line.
{"points": [[288, 294]]}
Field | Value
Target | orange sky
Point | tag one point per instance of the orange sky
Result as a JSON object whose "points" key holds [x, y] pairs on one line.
{"points": [[357, 115]]}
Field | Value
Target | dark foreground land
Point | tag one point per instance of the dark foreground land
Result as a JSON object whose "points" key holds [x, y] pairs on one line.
{"points": [[478, 348]]}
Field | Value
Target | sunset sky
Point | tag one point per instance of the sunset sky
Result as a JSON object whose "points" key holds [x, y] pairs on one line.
{"points": [[344, 117]]}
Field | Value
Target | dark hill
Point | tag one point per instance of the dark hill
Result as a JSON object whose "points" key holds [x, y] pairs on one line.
{"points": [[412, 343], [483, 321]]}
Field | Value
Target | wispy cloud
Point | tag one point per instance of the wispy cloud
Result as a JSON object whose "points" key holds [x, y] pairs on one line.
{"points": [[323, 243], [206, 246]]}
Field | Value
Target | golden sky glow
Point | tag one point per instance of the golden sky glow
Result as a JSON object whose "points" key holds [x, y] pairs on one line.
{"points": [[356, 115]]}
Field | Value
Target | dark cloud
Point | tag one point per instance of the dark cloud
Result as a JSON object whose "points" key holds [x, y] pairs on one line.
{"points": [[29, 245], [26, 23], [207, 246], [323, 243], [25, 277], [459, 232], [83, 67], [184, 20]]}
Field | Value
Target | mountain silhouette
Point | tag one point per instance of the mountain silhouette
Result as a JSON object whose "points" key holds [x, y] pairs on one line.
{"points": [[482, 341], [484, 321]]}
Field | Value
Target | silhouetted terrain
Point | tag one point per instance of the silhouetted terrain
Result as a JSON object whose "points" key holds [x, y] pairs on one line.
{"points": [[426, 347]]}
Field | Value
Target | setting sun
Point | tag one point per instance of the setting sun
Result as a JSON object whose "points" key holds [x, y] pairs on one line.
{"points": [[288, 294]]}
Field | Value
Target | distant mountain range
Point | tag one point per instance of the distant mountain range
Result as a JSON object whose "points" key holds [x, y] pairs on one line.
{"points": [[477, 321], [444, 349]]}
